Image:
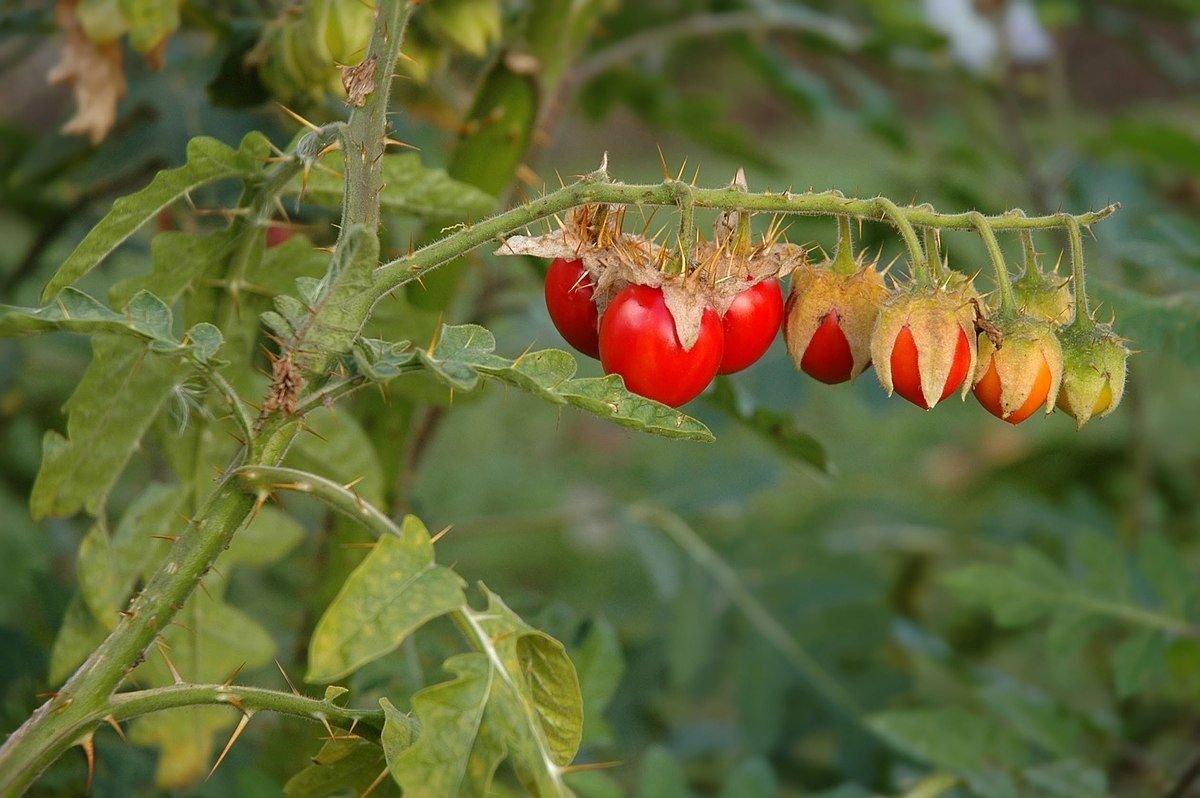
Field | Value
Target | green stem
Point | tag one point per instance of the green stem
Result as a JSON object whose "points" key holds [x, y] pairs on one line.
{"points": [[367, 723], [1008, 303], [687, 224], [933, 254], [264, 480], [1083, 316], [917, 268], [71, 715], [843, 254], [1032, 267], [410, 268]]}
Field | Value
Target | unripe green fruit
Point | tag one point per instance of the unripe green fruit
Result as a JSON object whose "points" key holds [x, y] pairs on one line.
{"points": [[1094, 364]]}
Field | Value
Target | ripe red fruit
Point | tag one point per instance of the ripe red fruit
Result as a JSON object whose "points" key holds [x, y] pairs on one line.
{"points": [[750, 325], [277, 234], [906, 372], [638, 340], [569, 291], [828, 357]]}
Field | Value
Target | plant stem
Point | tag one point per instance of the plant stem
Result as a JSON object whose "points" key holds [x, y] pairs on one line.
{"points": [[71, 714], [1083, 315], [1008, 303], [367, 723], [933, 254], [916, 258], [843, 254], [402, 271]]}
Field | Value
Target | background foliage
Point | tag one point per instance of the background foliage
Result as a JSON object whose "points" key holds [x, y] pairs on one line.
{"points": [[910, 603]]}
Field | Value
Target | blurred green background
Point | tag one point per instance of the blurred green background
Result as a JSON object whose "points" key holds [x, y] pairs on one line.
{"points": [[765, 626]]}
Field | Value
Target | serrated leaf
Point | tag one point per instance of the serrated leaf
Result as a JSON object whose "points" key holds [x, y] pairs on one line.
{"points": [[465, 353], [459, 748], [343, 766], [408, 188], [108, 567], [396, 589], [951, 738], [382, 360], [1035, 717], [777, 429], [207, 160], [107, 415]]}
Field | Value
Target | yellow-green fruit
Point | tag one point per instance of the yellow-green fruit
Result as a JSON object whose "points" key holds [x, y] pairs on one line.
{"points": [[1093, 374], [1044, 298]]}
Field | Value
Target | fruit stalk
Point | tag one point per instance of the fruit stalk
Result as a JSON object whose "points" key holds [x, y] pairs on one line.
{"points": [[1008, 303], [1083, 316]]}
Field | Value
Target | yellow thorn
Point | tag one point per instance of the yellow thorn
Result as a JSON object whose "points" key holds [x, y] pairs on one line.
{"points": [[297, 117], [378, 780], [162, 649], [233, 676], [89, 750], [442, 533], [116, 726], [241, 727], [287, 678]]}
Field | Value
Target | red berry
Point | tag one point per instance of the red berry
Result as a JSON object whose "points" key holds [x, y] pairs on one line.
{"points": [[828, 357], [277, 234], [751, 324], [906, 371], [638, 340], [569, 291]]}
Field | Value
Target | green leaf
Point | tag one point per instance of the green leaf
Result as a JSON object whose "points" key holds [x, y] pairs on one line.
{"points": [[408, 188], [179, 259], [78, 635], [1017, 595], [470, 25], [332, 322], [150, 21], [344, 766], [754, 778], [1165, 323], [207, 160], [600, 665], [268, 537], [662, 776], [1168, 574], [1139, 662], [75, 311], [1067, 778], [396, 589], [108, 413], [951, 738], [397, 733], [553, 693], [218, 639], [340, 450], [464, 354], [460, 747], [777, 429], [108, 567]]}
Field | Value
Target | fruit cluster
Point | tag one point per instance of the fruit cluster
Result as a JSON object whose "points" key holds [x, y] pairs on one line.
{"points": [[669, 328]]}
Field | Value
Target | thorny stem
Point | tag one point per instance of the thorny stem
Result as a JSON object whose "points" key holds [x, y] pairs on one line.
{"points": [[1008, 303], [933, 253], [916, 258], [70, 716], [843, 255], [687, 223], [367, 723], [1083, 316], [412, 267]]}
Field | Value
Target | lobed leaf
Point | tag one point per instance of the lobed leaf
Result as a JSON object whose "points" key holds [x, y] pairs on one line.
{"points": [[396, 589], [465, 353], [349, 765], [777, 429], [208, 160]]}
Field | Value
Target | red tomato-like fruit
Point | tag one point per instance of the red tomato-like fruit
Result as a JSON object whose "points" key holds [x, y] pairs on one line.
{"points": [[277, 234], [987, 391], [751, 324], [906, 374], [639, 342], [569, 291], [828, 357]]}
